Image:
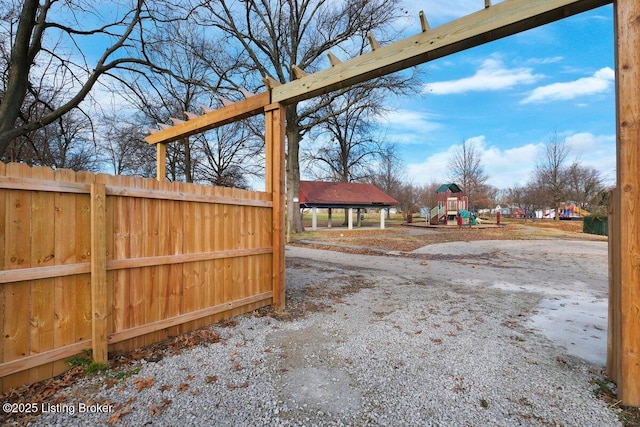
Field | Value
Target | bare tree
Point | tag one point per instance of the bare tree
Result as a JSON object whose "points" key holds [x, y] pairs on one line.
{"points": [[46, 50], [161, 97], [584, 185], [345, 144], [466, 170], [409, 198], [388, 174], [67, 143], [274, 36], [551, 171], [124, 150], [230, 156], [428, 195]]}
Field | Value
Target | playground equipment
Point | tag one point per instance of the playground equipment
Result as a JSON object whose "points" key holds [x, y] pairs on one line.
{"points": [[449, 202], [570, 211]]}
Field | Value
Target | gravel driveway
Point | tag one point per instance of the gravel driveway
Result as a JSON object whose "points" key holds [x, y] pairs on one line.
{"points": [[458, 334]]}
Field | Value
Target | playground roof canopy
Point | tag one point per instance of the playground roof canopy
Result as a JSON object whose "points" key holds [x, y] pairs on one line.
{"points": [[449, 187], [343, 195]]}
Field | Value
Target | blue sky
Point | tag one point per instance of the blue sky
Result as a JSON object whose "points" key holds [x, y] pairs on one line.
{"points": [[509, 97]]}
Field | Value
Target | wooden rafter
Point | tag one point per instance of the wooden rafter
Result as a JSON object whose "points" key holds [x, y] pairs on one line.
{"points": [[423, 22], [333, 59]]}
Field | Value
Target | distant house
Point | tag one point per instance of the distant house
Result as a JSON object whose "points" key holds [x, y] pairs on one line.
{"points": [[343, 195], [504, 210]]}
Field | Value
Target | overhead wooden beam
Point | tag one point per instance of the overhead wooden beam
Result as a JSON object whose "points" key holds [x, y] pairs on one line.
{"points": [[214, 118], [498, 21]]}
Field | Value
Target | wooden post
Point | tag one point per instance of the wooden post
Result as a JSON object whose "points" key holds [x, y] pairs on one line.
{"points": [[161, 161], [99, 309], [613, 329], [627, 26], [382, 219], [329, 219], [350, 221], [275, 140]]}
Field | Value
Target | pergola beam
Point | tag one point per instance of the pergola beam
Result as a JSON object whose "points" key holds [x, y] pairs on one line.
{"points": [[495, 22], [215, 118]]}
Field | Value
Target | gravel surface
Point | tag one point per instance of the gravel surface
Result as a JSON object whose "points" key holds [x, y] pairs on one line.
{"points": [[372, 340]]}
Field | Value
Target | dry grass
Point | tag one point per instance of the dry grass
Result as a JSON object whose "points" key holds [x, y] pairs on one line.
{"points": [[409, 238]]}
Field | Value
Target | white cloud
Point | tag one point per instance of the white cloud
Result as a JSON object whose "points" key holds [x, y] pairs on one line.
{"points": [[601, 81], [491, 76], [544, 61], [409, 126]]}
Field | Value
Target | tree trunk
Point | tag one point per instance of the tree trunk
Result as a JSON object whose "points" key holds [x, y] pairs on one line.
{"points": [[18, 75], [188, 175], [294, 219]]}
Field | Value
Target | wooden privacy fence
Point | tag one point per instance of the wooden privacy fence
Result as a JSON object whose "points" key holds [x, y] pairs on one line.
{"points": [[97, 262]]}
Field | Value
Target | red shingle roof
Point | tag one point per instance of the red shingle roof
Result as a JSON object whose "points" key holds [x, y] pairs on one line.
{"points": [[343, 194]]}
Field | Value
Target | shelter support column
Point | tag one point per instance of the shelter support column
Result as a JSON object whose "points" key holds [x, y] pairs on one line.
{"points": [[314, 218], [274, 142], [350, 218], [382, 211], [626, 270], [329, 219]]}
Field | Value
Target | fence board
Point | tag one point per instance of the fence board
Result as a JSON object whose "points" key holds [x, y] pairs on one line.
{"points": [[136, 249], [83, 254], [65, 253], [16, 331], [150, 245], [43, 291], [121, 250], [208, 245], [99, 307], [176, 300], [163, 286], [218, 265]]}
